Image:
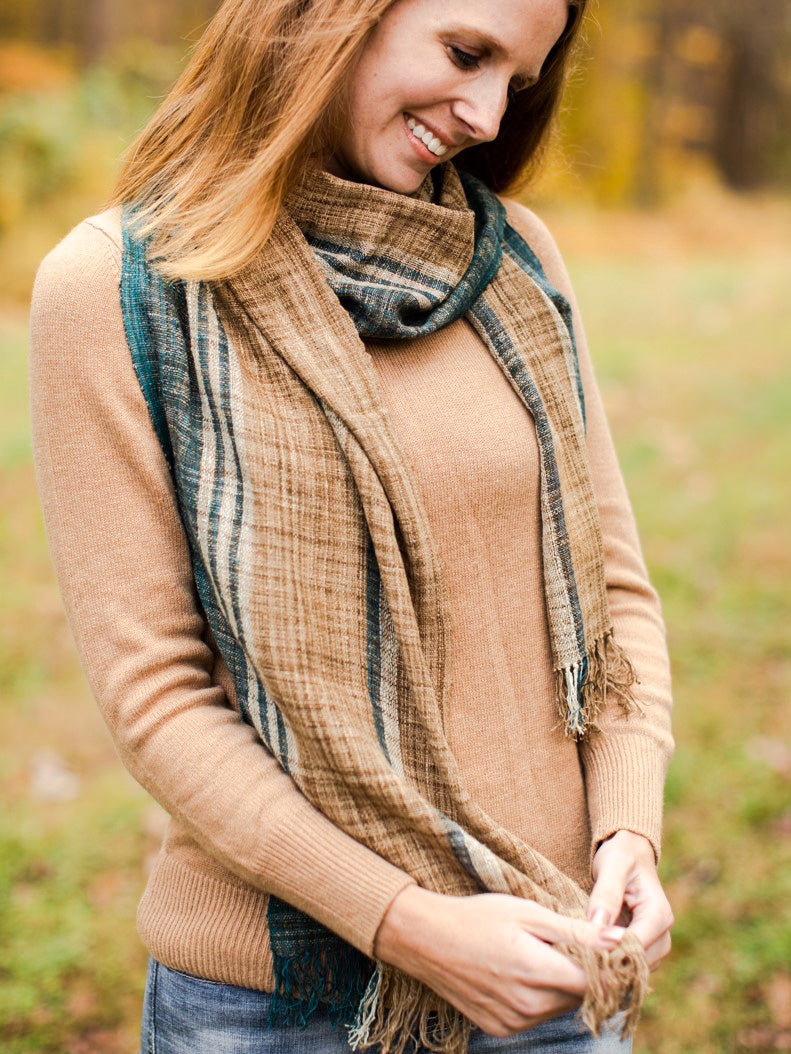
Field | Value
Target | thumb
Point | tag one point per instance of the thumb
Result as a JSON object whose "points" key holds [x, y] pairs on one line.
{"points": [[606, 899]]}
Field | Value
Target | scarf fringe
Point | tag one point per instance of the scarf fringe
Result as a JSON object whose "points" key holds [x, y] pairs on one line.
{"points": [[320, 974], [400, 1014], [582, 689], [618, 982]]}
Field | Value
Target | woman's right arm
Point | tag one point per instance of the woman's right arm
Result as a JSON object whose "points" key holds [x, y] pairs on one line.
{"points": [[123, 566]]}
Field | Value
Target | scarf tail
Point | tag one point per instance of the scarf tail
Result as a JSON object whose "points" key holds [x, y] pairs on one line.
{"points": [[314, 970], [399, 1014], [582, 689]]}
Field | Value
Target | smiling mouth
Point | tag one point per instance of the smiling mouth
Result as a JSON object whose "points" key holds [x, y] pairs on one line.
{"points": [[434, 145]]}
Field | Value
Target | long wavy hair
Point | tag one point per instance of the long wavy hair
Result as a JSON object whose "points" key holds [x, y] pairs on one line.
{"points": [[259, 98]]}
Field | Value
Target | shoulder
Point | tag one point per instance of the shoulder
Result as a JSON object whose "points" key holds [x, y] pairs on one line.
{"points": [[76, 285], [75, 313], [85, 263], [538, 236]]}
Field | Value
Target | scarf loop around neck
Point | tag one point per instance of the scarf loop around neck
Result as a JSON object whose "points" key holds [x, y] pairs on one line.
{"points": [[316, 568]]}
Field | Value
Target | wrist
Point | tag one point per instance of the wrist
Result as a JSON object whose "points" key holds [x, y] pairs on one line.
{"points": [[637, 845], [404, 923]]}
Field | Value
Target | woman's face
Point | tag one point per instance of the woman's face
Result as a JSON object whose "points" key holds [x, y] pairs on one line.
{"points": [[434, 78]]}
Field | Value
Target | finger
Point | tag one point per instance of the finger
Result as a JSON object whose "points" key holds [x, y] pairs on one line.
{"points": [[546, 1003], [659, 950], [651, 921], [560, 929], [544, 967], [606, 899], [555, 1012], [538, 1007]]}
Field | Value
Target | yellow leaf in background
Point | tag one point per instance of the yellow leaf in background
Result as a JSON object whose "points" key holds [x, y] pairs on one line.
{"points": [[685, 121], [699, 46], [778, 999], [26, 68]]}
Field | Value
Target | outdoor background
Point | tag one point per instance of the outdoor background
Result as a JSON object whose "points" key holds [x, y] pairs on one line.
{"points": [[668, 191]]}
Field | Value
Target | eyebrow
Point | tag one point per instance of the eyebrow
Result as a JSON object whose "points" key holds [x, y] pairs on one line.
{"points": [[495, 46]]}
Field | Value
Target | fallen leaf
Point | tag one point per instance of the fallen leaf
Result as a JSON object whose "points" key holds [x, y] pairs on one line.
{"points": [[51, 779], [763, 1038], [773, 753], [778, 999]]}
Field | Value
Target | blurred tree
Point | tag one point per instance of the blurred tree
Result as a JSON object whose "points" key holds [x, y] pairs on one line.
{"points": [[99, 28], [669, 85], [52, 21], [752, 118]]}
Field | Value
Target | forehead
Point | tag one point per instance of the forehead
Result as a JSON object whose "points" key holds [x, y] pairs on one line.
{"points": [[520, 28], [506, 14]]}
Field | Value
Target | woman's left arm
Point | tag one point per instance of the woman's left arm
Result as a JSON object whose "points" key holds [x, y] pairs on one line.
{"points": [[625, 764]]}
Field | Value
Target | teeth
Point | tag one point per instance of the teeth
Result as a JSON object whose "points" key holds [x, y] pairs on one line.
{"points": [[434, 144]]}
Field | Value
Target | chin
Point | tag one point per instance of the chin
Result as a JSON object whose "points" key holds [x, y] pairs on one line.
{"points": [[398, 176], [403, 180]]}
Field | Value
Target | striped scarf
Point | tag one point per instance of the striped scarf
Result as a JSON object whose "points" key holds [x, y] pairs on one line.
{"points": [[316, 567]]}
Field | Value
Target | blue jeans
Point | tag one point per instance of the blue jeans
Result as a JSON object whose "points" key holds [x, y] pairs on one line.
{"points": [[187, 1015]]}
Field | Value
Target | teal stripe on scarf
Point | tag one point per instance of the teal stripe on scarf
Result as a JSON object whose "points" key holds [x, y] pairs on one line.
{"points": [[516, 246], [494, 335], [373, 600]]}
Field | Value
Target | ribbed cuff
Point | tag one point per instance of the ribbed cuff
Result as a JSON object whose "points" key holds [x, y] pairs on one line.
{"points": [[335, 880], [624, 779]]}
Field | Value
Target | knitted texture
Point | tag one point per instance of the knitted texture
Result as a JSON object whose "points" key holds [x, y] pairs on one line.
{"points": [[316, 568]]}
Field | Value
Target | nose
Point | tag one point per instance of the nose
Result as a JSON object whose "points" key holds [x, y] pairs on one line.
{"points": [[481, 109]]}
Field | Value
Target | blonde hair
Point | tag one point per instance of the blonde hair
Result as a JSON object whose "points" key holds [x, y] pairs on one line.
{"points": [[259, 98]]}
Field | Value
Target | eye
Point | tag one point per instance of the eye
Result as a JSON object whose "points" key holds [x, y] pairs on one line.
{"points": [[465, 60]]}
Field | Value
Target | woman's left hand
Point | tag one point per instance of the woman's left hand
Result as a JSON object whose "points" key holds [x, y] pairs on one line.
{"points": [[627, 891]]}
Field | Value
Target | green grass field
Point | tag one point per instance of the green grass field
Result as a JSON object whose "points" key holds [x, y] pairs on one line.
{"points": [[690, 327]]}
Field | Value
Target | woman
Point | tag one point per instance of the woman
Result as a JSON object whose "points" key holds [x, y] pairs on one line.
{"points": [[322, 394]]}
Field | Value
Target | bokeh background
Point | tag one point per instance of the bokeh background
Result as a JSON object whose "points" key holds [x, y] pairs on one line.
{"points": [[668, 188]]}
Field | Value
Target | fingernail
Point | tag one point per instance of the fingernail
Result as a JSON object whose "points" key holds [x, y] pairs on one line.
{"points": [[600, 917], [613, 933]]}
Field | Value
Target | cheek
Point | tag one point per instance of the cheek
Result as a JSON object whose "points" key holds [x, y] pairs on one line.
{"points": [[379, 109], [392, 79]]}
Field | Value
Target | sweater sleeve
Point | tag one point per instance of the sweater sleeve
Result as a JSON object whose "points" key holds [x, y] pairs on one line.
{"points": [[122, 563], [625, 764]]}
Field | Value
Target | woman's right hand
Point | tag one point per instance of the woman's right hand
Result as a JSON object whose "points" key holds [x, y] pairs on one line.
{"points": [[490, 955]]}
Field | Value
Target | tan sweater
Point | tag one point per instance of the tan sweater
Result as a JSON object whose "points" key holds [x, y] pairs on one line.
{"points": [[240, 829]]}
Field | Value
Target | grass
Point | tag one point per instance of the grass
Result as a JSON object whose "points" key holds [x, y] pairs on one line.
{"points": [[690, 331]]}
